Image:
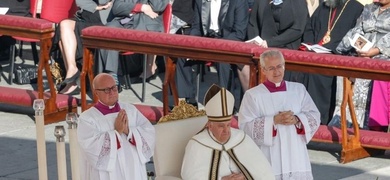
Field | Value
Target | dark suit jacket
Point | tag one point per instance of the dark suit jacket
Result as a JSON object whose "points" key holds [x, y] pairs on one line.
{"points": [[287, 32], [17, 7], [233, 19], [184, 9], [122, 8]]}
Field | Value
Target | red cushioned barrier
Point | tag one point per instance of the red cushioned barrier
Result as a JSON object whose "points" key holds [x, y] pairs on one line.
{"points": [[25, 22], [170, 39], [328, 133], [367, 138], [332, 60], [25, 97], [375, 139], [152, 113], [336, 60], [234, 122]]}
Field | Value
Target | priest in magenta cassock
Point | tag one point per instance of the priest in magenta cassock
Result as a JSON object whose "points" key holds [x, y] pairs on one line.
{"points": [[115, 139], [219, 151], [281, 118]]}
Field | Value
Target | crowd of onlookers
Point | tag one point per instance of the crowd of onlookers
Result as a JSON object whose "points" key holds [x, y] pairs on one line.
{"points": [[280, 24]]}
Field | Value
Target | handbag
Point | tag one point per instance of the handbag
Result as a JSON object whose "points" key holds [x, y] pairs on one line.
{"points": [[78, 15], [26, 75]]}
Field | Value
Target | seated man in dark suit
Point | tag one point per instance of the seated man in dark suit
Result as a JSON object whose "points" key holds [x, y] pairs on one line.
{"points": [[327, 27], [226, 20], [142, 15]]}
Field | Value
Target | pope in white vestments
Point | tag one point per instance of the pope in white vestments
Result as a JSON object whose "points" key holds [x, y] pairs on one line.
{"points": [[116, 140], [281, 118], [221, 152]]}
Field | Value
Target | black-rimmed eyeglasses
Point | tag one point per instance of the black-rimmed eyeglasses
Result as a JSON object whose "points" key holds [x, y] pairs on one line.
{"points": [[108, 90]]}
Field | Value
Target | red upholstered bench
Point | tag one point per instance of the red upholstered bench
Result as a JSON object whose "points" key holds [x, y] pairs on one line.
{"points": [[19, 22], [369, 139], [336, 65], [23, 97], [169, 40], [170, 45], [152, 113]]}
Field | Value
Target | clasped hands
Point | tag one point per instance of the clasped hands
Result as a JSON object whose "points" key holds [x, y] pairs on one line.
{"points": [[285, 118], [122, 123]]}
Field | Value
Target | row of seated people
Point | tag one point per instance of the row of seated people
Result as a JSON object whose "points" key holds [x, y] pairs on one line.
{"points": [[286, 24], [118, 13], [332, 28]]}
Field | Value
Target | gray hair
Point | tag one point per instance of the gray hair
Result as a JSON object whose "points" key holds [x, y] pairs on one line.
{"points": [[270, 53]]}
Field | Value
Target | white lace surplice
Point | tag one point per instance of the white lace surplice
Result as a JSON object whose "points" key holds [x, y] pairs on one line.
{"points": [[286, 151], [99, 156]]}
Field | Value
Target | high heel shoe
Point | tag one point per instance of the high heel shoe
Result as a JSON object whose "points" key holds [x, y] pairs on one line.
{"points": [[148, 79], [66, 81], [75, 91]]}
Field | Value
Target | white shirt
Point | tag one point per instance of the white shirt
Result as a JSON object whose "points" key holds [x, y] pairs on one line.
{"points": [[215, 7]]}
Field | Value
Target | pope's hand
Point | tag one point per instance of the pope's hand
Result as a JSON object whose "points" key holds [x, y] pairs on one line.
{"points": [[234, 176]]}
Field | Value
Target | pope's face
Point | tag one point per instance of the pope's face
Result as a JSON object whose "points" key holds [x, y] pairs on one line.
{"points": [[220, 130], [273, 69]]}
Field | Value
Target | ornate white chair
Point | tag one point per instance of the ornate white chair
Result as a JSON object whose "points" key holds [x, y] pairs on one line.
{"points": [[172, 135]]}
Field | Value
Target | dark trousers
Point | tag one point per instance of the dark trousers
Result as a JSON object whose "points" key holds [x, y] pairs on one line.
{"points": [[108, 59], [322, 90]]}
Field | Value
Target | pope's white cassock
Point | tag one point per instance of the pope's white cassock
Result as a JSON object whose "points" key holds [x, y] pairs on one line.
{"points": [[206, 159], [283, 145], [107, 155]]}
